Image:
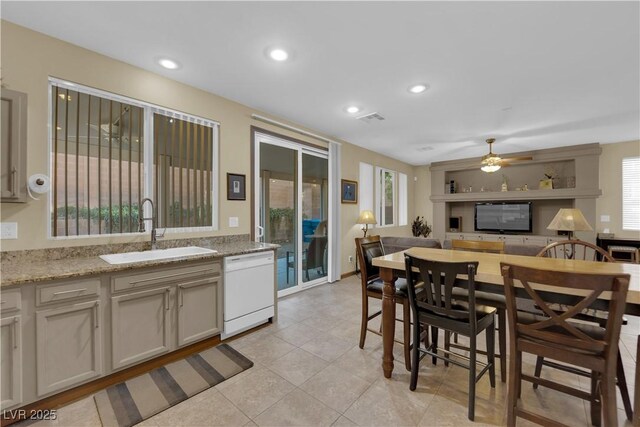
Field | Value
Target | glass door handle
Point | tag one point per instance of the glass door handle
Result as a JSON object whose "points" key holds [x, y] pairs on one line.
{"points": [[260, 232]]}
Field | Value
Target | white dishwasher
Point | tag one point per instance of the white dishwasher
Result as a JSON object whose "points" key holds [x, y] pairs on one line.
{"points": [[249, 291]]}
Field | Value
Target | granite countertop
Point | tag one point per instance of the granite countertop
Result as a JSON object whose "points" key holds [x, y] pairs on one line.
{"points": [[23, 267]]}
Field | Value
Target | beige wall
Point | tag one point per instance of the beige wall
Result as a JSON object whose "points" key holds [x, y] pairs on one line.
{"points": [[610, 203], [29, 58], [351, 158], [423, 205]]}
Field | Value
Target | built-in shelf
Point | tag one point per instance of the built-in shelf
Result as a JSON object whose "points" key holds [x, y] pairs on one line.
{"points": [[580, 163], [561, 193]]}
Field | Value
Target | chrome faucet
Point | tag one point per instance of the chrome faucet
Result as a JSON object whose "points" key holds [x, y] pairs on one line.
{"points": [[141, 220]]}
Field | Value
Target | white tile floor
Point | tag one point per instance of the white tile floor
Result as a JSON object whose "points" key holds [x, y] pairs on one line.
{"points": [[310, 371]]}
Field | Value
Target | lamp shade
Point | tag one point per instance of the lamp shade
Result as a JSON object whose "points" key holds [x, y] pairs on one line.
{"points": [[366, 217], [569, 220]]}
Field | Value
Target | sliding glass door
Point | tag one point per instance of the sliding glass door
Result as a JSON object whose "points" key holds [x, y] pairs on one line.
{"points": [[291, 201]]}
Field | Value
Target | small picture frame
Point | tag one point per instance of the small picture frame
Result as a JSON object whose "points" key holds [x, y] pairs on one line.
{"points": [[349, 191], [236, 186]]}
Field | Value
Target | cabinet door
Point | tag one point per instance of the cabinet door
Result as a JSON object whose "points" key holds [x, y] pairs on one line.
{"points": [[140, 326], [513, 240], [535, 240], [68, 346], [13, 140], [199, 314], [10, 361]]}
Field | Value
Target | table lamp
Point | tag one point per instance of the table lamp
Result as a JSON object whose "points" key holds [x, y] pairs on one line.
{"points": [[569, 220], [366, 218]]}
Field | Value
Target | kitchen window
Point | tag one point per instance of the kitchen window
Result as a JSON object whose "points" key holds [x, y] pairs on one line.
{"points": [[110, 152]]}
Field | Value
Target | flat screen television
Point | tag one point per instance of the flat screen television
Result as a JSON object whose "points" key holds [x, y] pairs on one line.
{"points": [[505, 217]]}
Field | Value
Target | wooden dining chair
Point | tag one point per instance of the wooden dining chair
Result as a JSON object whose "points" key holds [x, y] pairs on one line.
{"points": [[575, 249], [558, 336], [485, 298], [368, 248], [572, 249], [437, 308]]}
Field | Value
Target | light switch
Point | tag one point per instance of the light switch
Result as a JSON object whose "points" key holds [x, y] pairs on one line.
{"points": [[8, 230], [233, 221], [605, 218]]}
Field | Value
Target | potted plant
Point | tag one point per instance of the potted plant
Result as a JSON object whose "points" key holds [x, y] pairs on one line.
{"points": [[420, 227]]}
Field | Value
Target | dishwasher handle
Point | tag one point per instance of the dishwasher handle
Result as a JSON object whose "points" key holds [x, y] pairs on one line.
{"points": [[242, 262]]}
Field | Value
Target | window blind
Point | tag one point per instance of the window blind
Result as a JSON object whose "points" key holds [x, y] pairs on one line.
{"points": [[631, 193], [365, 193], [403, 209], [183, 153], [97, 150]]}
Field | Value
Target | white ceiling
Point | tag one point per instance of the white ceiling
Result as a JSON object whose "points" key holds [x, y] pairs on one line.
{"points": [[532, 74]]}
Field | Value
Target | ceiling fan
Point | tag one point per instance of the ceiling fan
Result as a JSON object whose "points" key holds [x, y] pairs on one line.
{"points": [[492, 162]]}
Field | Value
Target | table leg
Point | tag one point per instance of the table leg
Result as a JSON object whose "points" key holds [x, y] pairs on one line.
{"points": [[388, 319]]}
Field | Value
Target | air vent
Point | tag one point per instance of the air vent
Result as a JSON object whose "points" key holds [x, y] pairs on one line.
{"points": [[371, 118]]}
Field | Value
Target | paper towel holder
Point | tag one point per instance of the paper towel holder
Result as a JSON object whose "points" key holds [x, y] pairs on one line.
{"points": [[39, 184]]}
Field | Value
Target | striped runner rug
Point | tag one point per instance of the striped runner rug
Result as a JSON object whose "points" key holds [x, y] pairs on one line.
{"points": [[139, 398]]}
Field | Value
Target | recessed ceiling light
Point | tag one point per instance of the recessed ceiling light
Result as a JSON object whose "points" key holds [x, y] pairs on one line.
{"points": [[169, 64], [419, 88], [278, 54], [352, 109]]}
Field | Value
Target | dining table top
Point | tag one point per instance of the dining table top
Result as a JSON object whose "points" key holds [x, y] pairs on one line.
{"points": [[489, 266]]}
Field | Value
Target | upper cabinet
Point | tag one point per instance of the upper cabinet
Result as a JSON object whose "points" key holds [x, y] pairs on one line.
{"points": [[13, 157]]}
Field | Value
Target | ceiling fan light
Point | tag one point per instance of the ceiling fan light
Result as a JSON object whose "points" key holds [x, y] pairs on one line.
{"points": [[490, 168]]}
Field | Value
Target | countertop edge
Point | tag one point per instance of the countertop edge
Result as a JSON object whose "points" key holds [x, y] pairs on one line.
{"points": [[116, 268]]}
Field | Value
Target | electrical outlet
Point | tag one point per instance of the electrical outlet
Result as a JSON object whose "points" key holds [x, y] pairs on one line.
{"points": [[350, 259], [233, 221], [605, 218], [8, 230]]}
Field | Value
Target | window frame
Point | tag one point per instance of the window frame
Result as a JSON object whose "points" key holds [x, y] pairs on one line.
{"points": [[149, 109]]}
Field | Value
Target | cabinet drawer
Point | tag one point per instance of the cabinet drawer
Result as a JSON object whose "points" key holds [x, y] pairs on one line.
{"points": [[47, 294], [165, 276], [10, 300]]}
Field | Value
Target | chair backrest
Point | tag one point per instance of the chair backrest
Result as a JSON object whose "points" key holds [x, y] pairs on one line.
{"points": [[438, 280], [368, 248], [321, 229], [477, 246], [575, 249], [315, 252], [553, 330]]}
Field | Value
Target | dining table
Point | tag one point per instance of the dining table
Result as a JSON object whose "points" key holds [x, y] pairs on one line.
{"points": [[489, 279]]}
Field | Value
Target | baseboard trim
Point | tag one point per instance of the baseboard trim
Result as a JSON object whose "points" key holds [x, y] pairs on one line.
{"points": [[349, 274]]}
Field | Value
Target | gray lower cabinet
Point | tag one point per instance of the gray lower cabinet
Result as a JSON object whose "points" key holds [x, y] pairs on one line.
{"points": [[11, 361], [68, 345], [140, 325], [198, 316]]}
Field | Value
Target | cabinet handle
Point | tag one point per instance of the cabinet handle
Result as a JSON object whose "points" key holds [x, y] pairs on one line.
{"points": [[13, 181], [96, 310], [166, 299], [55, 294], [15, 332]]}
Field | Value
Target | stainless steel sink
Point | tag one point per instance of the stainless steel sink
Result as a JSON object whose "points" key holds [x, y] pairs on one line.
{"points": [[155, 255]]}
